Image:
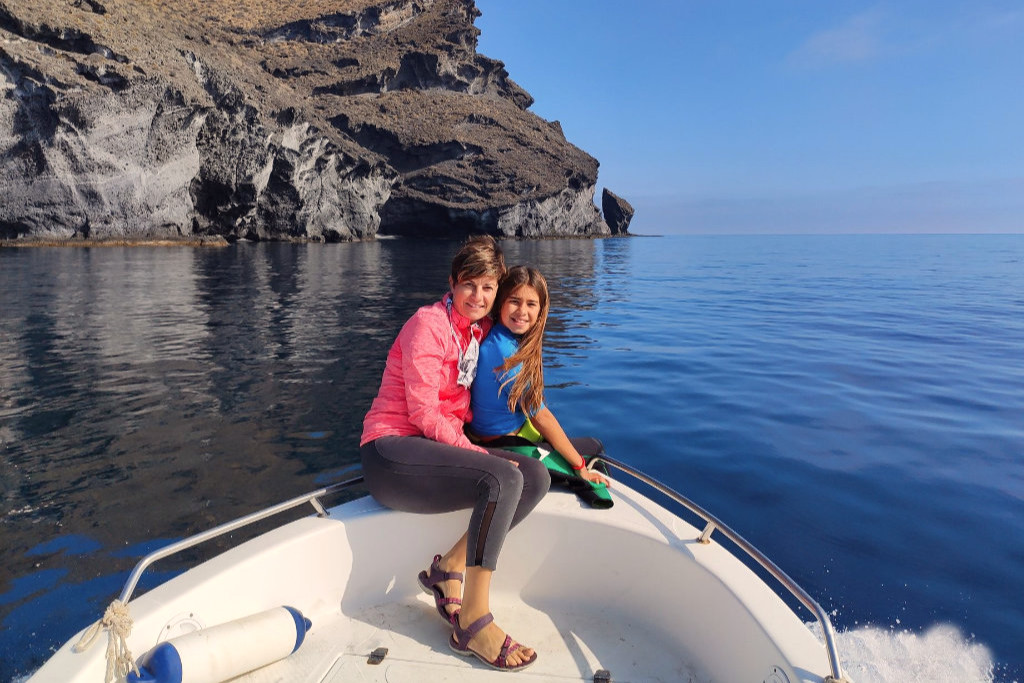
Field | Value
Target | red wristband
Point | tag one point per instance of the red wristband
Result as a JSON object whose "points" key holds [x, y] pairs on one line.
{"points": [[584, 464]]}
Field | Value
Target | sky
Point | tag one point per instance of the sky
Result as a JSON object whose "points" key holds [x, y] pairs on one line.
{"points": [[783, 116]]}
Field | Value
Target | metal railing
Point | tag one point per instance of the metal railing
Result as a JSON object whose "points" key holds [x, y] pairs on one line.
{"points": [[313, 498], [713, 524]]}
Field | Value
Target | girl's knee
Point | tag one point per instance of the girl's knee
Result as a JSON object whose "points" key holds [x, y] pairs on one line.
{"points": [[588, 445]]}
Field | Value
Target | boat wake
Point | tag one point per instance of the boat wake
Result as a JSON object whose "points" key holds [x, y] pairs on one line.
{"points": [[942, 654]]}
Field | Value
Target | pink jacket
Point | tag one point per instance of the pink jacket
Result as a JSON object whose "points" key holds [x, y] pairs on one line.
{"points": [[419, 393]]}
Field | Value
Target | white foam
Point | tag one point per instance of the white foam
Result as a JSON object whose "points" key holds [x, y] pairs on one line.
{"points": [[941, 654]]}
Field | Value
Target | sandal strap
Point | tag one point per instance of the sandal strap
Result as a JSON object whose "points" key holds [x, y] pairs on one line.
{"points": [[437, 575], [464, 635], [507, 648]]}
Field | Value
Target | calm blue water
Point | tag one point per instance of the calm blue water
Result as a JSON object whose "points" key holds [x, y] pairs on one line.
{"points": [[852, 405]]}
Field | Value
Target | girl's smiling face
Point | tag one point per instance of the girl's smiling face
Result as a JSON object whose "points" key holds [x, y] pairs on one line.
{"points": [[474, 297], [520, 310]]}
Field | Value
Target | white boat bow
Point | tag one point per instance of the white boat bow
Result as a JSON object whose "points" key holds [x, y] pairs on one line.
{"points": [[632, 593]]}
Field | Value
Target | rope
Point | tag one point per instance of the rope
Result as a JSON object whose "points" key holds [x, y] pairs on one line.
{"points": [[118, 622]]}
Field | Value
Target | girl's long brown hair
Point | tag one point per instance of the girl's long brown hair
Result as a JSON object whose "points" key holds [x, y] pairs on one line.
{"points": [[527, 393]]}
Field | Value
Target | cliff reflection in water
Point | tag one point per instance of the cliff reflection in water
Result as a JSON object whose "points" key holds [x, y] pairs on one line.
{"points": [[150, 393]]}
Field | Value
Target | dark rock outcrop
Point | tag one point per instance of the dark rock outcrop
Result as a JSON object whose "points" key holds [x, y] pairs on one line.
{"points": [[617, 212], [254, 119]]}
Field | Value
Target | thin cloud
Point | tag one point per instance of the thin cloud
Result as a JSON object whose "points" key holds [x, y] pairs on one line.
{"points": [[855, 41], [876, 34], [996, 25]]}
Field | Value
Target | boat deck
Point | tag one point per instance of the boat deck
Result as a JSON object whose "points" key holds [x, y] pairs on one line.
{"points": [[585, 642]]}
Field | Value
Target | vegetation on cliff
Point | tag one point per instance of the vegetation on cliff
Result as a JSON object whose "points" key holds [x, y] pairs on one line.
{"points": [[308, 120]]}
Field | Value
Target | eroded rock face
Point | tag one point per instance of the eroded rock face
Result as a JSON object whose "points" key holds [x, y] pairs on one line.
{"points": [[617, 212], [264, 120]]}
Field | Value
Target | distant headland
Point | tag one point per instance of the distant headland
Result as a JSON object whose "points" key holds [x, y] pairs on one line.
{"points": [[137, 120]]}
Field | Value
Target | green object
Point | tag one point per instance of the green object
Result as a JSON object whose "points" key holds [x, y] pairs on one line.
{"points": [[562, 474], [530, 433]]}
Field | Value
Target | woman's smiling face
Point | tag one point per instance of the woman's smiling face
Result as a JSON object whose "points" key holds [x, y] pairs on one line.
{"points": [[520, 310], [474, 297]]}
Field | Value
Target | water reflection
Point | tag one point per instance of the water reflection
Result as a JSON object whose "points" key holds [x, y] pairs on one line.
{"points": [[145, 394], [151, 393]]}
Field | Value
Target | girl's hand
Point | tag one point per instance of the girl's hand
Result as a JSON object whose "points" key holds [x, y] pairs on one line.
{"points": [[593, 476]]}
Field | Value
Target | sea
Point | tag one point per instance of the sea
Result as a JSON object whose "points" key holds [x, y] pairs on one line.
{"points": [[853, 405]]}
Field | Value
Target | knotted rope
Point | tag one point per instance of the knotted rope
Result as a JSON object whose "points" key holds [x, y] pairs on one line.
{"points": [[118, 622]]}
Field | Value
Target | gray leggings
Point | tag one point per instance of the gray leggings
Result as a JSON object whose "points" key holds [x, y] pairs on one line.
{"points": [[416, 474]]}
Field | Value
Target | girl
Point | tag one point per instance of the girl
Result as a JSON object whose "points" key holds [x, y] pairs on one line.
{"points": [[508, 394], [416, 457]]}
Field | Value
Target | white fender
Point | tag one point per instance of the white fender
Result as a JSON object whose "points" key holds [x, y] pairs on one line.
{"points": [[218, 653]]}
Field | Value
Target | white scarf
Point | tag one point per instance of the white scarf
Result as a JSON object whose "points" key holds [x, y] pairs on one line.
{"points": [[469, 356]]}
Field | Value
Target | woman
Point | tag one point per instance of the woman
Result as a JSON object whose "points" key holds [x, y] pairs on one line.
{"points": [[508, 393], [416, 457]]}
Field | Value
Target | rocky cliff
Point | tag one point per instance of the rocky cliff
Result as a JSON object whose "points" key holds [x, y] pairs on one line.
{"points": [[306, 120]]}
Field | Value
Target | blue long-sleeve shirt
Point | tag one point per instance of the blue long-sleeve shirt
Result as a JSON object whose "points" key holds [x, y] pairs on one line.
{"points": [[491, 415]]}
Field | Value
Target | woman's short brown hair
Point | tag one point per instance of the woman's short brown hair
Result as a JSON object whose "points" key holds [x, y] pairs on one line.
{"points": [[479, 256]]}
